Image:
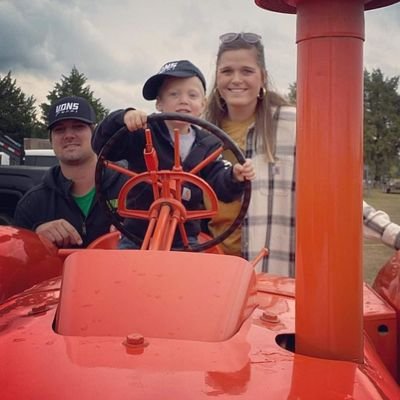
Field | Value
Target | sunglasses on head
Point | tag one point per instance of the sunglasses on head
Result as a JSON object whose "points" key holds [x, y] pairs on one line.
{"points": [[248, 37]]}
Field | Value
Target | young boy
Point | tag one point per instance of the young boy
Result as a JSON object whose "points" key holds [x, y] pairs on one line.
{"points": [[180, 87]]}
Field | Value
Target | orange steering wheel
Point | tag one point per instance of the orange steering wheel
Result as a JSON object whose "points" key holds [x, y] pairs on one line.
{"points": [[167, 186]]}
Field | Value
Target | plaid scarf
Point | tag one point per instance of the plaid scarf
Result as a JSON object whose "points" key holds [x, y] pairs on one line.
{"points": [[270, 220]]}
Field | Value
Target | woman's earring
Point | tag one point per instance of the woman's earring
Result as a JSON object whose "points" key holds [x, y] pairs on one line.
{"points": [[262, 93]]}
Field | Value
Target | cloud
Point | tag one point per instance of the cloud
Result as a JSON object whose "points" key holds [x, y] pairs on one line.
{"points": [[382, 45], [118, 45]]}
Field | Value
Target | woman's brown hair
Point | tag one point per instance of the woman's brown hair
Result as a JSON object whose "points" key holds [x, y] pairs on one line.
{"points": [[216, 109]]}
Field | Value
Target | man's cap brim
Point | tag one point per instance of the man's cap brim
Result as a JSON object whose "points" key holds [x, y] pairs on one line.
{"points": [[87, 121]]}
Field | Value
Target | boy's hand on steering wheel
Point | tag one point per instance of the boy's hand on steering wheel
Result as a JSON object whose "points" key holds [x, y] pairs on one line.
{"points": [[135, 119], [244, 171]]}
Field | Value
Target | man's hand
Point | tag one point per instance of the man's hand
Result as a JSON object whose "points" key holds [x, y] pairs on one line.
{"points": [[60, 232], [244, 171]]}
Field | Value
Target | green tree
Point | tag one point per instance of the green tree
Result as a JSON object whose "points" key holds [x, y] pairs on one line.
{"points": [[73, 85], [292, 93], [17, 111], [381, 124]]}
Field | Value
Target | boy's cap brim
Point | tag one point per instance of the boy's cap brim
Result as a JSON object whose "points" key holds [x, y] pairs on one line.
{"points": [[176, 69]]}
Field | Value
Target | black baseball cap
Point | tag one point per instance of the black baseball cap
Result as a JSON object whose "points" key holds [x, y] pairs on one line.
{"points": [[71, 107], [177, 69]]}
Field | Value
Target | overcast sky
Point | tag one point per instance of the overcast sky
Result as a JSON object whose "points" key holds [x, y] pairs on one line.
{"points": [[118, 44]]}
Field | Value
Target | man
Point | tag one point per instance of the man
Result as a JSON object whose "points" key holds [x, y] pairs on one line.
{"points": [[63, 207]]}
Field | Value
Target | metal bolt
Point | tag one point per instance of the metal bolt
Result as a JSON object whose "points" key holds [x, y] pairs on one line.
{"points": [[41, 308], [269, 317], [135, 339]]}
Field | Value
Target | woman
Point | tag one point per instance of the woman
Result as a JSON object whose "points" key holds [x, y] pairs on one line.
{"points": [[263, 126]]}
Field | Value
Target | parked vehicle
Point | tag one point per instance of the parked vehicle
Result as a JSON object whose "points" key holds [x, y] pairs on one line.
{"points": [[19, 170], [4, 158], [13, 150], [393, 185], [15, 181], [40, 157]]}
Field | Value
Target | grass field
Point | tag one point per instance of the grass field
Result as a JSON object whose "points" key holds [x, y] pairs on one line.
{"points": [[376, 253]]}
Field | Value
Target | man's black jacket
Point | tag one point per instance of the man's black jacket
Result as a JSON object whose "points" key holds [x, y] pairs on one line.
{"points": [[52, 199]]}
